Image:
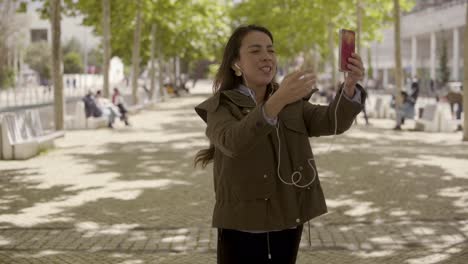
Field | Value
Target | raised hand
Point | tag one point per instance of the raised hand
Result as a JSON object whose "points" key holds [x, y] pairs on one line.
{"points": [[296, 85], [355, 74]]}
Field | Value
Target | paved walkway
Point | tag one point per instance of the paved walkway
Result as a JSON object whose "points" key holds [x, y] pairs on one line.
{"points": [[131, 195]]}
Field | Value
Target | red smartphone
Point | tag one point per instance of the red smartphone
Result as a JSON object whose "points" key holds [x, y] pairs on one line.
{"points": [[347, 47]]}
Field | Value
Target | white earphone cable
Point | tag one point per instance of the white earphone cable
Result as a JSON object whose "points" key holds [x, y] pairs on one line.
{"points": [[298, 174]]}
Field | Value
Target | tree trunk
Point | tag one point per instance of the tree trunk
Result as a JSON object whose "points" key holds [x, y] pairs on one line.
{"points": [[106, 44], [465, 77], [162, 89], [136, 54], [358, 26], [398, 70], [153, 70], [59, 101]]}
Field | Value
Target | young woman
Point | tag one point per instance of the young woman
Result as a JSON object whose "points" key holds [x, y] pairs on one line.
{"points": [[265, 179]]}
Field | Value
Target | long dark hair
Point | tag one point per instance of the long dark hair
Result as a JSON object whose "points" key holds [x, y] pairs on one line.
{"points": [[225, 78]]}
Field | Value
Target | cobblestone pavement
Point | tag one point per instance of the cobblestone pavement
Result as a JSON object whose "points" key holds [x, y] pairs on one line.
{"points": [[131, 195]]}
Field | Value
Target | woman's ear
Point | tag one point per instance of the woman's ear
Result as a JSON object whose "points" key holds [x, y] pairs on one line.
{"points": [[237, 69]]}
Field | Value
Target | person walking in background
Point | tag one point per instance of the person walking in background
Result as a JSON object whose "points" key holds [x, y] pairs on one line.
{"points": [[455, 99], [118, 100], [265, 177]]}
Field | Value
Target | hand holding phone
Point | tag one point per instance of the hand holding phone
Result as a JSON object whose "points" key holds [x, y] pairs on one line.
{"points": [[347, 47]]}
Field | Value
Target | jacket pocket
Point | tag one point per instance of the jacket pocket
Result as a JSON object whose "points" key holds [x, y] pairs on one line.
{"points": [[296, 125], [253, 186]]}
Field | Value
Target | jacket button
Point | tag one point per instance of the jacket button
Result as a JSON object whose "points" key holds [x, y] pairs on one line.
{"points": [[298, 220], [266, 199], [265, 176], [300, 168]]}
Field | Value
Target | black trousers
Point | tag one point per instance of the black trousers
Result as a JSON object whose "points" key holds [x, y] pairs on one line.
{"points": [[237, 247]]}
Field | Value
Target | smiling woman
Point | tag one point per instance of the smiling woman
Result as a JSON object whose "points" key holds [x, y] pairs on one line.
{"points": [[265, 178]]}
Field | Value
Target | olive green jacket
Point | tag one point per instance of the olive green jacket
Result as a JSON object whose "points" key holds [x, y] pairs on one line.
{"points": [[249, 193]]}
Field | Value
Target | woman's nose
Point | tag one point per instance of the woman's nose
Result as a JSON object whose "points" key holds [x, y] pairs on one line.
{"points": [[266, 56]]}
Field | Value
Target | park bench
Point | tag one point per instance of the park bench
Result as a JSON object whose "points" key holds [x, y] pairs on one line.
{"points": [[436, 118], [380, 107], [23, 137], [80, 121]]}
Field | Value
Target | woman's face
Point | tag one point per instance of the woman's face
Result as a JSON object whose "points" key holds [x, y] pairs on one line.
{"points": [[257, 60]]}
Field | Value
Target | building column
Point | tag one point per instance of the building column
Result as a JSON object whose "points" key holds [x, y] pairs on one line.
{"points": [[385, 78], [456, 55], [376, 62], [433, 56], [414, 53]]}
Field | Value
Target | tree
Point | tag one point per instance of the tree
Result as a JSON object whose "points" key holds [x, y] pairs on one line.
{"points": [[398, 69], [106, 24], [203, 22], [315, 22], [152, 58], [72, 63], [39, 58], [358, 26], [136, 52], [95, 59], [52, 10], [370, 69], [59, 102], [443, 60], [465, 77], [72, 45], [8, 27]]}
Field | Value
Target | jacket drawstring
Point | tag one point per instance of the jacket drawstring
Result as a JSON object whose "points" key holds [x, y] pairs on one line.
{"points": [[268, 245], [310, 241]]}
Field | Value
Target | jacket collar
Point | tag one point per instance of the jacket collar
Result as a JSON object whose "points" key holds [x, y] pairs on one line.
{"points": [[239, 98]]}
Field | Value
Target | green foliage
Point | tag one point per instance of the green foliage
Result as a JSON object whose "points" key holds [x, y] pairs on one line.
{"points": [[95, 57], [444, 73], [370, 70], [7, 78], [72, 63], [302, 24], [38, 57], [188, 29], [72, 45], [212, 70]]}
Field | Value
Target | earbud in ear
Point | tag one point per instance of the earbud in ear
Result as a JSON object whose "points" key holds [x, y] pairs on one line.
{"points": [[237, 71]]}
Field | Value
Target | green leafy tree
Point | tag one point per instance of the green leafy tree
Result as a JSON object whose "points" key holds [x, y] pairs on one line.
{"points": [[303, 25], [187, 29], [443, 60], [95, 59], [8, 28], [52, 10], [72, 45], [72, 63], [38, 57], [370, 69]]}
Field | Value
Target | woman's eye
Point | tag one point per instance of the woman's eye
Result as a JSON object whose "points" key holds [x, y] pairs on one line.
{"points": [[271, 51], [255, 51]]}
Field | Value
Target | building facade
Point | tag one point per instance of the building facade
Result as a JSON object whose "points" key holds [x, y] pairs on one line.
{"points": [[430, 29]]}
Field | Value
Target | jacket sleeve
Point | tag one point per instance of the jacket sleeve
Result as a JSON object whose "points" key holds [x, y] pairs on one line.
{"points": [[231, 135], [320, 119]]}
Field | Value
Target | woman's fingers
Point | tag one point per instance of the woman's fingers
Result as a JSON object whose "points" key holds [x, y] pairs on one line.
{"points": [[356, 62]]}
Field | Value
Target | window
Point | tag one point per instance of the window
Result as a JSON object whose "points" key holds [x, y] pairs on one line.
{"points": [[38, 35]]}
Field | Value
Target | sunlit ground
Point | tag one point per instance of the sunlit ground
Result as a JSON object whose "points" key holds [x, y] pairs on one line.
{"points": [[131, 195]]}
